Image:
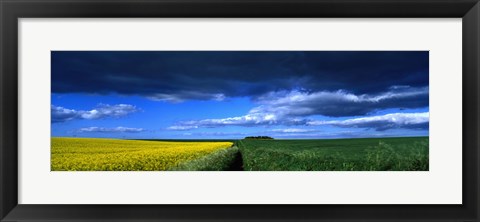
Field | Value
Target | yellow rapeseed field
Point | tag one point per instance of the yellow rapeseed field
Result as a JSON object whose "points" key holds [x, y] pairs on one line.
{"points": [[89, 154]]}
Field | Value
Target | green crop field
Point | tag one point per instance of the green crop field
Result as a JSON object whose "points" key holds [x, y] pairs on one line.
{"points": [[379, 154], [373, 154]]}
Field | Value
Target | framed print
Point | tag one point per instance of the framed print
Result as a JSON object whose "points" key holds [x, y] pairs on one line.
{"points": [[225, 110], [305, 110]]}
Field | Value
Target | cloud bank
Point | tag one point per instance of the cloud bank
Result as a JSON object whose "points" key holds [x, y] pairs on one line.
{"points": [[293, 130], [61, 114], [297, 107], [382, 123], [340, 103]]}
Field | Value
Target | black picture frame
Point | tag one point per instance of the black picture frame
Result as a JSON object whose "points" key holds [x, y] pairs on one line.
{"points": [[12, 10]]}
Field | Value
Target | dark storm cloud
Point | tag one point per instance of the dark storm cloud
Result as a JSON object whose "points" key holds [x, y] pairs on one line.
{"points": [[178, 76]]}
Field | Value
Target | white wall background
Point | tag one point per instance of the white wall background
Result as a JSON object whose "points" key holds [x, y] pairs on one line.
{"points": [[441, 185]]}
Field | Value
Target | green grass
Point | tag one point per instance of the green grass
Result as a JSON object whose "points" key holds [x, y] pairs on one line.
{"points": [[372, 154]]}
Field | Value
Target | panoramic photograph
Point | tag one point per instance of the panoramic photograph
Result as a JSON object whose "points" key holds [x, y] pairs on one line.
{"points": [[239, 111]]}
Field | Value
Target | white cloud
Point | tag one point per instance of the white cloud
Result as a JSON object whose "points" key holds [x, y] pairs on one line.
{"points": [[119, 129], [179, 97], [61, 114], [214, 134], [180, 128], [246, 120], [380, 123], [340, 103], [295, 107], [293, 130]]}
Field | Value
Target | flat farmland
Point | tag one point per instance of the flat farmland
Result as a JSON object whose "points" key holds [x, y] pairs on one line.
{"points": [[369, 154], [372, 154], [91, 154]]}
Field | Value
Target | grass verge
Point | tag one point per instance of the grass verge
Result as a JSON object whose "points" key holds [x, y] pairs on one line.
{"points": [[221, 160]]}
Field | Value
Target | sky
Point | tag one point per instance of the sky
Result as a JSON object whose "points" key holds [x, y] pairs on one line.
{"points": [[234, 94]]}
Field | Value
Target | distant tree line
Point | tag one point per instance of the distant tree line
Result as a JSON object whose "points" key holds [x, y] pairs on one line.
{"points": [[259, 137]]}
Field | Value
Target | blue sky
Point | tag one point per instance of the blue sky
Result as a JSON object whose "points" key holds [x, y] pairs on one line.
{"points": [[233, 94]]}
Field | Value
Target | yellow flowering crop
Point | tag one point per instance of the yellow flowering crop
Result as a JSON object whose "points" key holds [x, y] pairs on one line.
{"points": [[89, 154]]}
